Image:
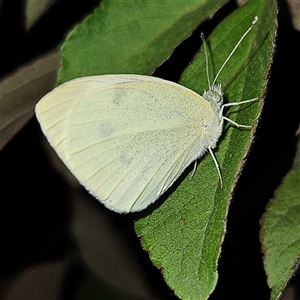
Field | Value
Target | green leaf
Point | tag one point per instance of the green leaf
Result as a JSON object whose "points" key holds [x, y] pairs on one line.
{"points": [[130, 36], [184, 234], [280, 233]]}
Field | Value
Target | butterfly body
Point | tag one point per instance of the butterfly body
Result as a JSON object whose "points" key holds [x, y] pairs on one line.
{"points": [[127, 138]]}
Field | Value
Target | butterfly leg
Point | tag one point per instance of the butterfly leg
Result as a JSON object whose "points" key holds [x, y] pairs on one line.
{"points": [[239, 103], [217, 165], [194, 169], [235, 104], [236, 124]]}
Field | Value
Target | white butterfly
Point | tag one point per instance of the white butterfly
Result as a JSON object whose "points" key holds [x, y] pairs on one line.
{"points": [[127, 138]]}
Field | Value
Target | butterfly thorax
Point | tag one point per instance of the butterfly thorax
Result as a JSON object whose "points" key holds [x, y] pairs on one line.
{"points": [[214, 97]]}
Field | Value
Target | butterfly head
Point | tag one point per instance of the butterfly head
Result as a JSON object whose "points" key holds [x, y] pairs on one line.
{"points": [[214, 95]]}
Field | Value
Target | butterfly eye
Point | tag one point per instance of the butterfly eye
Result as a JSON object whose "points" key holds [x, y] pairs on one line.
{"points": [[213, 97], [217, 97]]}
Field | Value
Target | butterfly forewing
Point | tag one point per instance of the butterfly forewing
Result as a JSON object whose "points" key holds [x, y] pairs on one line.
{"points": [[126, 138]]}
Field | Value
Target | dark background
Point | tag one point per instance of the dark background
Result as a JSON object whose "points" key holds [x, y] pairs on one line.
{"points": [[38, 207]]}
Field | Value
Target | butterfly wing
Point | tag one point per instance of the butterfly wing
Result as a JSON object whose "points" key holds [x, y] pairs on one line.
{"points": [[126, 138]]}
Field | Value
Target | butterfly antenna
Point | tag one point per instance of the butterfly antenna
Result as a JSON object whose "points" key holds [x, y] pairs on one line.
{"points": [[206, 60], [238, 43]]}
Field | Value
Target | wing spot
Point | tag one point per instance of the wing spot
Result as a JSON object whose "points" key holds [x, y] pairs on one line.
{"points": [[106, 129]]}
